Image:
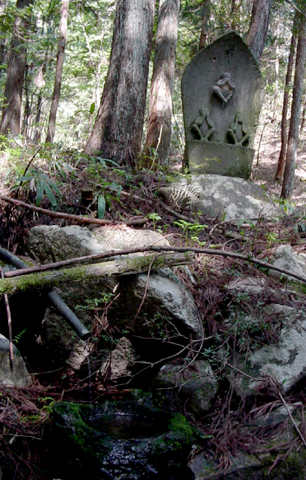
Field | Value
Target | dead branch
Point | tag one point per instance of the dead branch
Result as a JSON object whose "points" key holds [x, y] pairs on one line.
{"points": [[81, 273], [112, 253], [175, 213], [75, 218]]}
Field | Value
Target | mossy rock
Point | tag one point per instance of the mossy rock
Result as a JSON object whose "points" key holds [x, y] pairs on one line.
{"points": [[119, 440]]}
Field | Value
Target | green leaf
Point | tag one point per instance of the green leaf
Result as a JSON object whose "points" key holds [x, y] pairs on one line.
{"points": [[119, 192], [101, 206], [25, 178], [53, 186], [39, 193], [103, 160], [92, 108], [50, 195]]}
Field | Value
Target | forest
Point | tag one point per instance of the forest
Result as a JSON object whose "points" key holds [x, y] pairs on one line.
{"points": [[92, 137]]}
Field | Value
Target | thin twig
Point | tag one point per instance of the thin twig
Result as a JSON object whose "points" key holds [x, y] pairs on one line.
{"points": [[9, 325], [295, 7], [292, 420], [234, 220], [239, 371], [145, 292]]}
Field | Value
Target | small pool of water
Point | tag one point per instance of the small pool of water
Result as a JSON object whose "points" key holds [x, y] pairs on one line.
{"points": [[130, 426]]}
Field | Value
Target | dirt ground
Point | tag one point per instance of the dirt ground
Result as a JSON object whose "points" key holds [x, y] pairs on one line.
{"points": [[267, 164]]}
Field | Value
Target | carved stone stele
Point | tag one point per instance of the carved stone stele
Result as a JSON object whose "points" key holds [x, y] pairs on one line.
{"points": [[222, 92]]}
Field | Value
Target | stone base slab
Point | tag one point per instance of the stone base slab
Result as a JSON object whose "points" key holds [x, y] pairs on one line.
{"points": [[219, 159]]}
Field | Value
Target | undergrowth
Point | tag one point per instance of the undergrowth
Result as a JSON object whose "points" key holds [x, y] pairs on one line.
{"points": [[25, 412]]}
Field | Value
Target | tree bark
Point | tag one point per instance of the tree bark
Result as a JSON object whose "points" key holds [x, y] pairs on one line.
{"points": [[117, 132], [204, 27], [257, 33], [11, 112], [2, 40], [293, 139], [276, 65], [303, 118], [160, 108], [284, 136], [59, 70], [123, 266]]}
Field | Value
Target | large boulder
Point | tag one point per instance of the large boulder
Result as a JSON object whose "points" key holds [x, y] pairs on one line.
{"points": [[283, 358], [167, 308], [220, 196], [53, 244], [285, 258]]}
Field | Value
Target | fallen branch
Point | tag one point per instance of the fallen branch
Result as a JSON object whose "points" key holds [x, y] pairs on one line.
{"points": [[175, 213], [76, 218], [53, 297], [112, 253], [81, 273]]}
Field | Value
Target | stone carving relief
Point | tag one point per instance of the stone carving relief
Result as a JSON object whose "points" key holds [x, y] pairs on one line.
{"points": [[199, 121], [237, 132], [224, 89]]}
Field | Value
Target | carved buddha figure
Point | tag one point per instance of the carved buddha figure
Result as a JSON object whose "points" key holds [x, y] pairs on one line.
{"points": [[224, 89]]}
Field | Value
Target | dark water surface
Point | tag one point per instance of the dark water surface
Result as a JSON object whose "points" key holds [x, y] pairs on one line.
{"points": [[129, 426]]}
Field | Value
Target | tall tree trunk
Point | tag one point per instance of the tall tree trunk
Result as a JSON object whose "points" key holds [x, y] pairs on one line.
{"points": [[40, 83], [293, 139], [204, 27], [160, 108], [276, 65], [257, 33], [284, 136], [11, 112], [303, 118], [59, 70], [117, 132], [27, 108], [2, 39]]}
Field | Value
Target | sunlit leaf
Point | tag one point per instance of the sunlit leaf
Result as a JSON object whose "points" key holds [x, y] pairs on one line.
{"points": [[101, 206]]}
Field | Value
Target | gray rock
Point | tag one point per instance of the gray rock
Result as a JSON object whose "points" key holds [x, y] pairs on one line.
{"points": [[284, 359], [177, 384], [222, 91], [166, 298], [220, 196], [256, 466], [257, 287], [19, 377], [48, 244], [284, 257], [253, 467], [165, 288]]}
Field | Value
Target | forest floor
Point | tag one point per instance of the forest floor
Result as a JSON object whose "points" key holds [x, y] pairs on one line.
{"points": [[264, 172]]}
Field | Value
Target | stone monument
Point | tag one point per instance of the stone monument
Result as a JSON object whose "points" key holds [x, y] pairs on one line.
{"points": [[222, 91]]}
